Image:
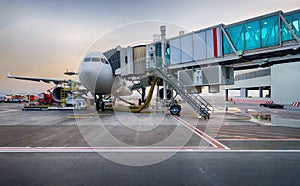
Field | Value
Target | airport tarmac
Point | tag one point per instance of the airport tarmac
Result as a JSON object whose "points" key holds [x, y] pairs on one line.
{"points": [[236, 127], [207, 168], [239, 145]]}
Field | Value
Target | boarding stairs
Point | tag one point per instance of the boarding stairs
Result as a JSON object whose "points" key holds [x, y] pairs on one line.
{"points": [[197, 102]]}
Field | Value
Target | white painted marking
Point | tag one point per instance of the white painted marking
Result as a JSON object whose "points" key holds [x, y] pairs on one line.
{"points": [[7, 110], [201, 134], [127, 149]]}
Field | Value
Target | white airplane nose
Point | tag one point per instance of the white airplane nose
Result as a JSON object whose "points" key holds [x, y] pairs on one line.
{"points": [[87, 76], [95, 73]]}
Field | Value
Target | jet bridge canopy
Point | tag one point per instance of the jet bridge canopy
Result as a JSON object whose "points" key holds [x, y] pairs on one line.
{"points": [[113, 57]]}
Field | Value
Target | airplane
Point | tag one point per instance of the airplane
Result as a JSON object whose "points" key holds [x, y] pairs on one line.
{"points": [[95, 74]]}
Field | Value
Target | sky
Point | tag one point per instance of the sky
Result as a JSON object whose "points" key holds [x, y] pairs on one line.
{"points": [[40, 38]]}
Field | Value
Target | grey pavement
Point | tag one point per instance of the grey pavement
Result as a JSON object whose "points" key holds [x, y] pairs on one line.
{"points": [[201, 168]]}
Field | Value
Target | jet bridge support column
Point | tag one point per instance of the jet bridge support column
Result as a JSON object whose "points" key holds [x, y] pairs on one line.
{"points": [[163, 56], [143, 94], [244, 92], [260, 92], [226, 94]]}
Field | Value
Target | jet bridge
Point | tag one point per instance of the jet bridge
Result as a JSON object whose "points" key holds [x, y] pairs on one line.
{"points": [[258, 42], [208, 57]]}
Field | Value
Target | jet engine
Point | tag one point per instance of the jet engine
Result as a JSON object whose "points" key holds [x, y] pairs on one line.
{"points": [[57, 94]]}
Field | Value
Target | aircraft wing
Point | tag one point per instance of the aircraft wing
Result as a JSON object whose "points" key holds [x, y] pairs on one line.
{"points": [[45, 80]]}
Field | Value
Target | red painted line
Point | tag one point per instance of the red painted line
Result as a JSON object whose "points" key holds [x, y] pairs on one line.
{"points": [[252, 101], [215, 39], [258, 139], [203, 135]]}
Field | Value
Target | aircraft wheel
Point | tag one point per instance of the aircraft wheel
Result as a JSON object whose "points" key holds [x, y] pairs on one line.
{"points": [[175, 109], [97, 106]]}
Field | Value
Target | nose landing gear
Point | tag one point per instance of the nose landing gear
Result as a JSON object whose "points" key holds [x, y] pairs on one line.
{"points": [[100, 105]]}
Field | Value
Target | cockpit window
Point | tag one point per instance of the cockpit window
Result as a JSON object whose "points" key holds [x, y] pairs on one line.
{"points": [[95, 59], [103, 60], [87, 59]]}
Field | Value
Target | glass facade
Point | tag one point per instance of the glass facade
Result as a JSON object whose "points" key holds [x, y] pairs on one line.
{"points": [[252, 35], [261, 32]]}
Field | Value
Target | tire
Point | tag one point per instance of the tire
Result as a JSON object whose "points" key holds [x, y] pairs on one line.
{"points": [[97, 106], [175, 109], [102, 106]]}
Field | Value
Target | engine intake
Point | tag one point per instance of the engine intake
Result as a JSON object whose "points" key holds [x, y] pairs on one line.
{"points": [[56, 94]]}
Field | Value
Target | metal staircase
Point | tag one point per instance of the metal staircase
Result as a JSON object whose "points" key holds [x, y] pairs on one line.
{"points": [[198, 103]]}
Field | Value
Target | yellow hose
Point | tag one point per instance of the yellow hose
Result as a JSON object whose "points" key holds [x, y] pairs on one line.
{"points": [[137, 109]]}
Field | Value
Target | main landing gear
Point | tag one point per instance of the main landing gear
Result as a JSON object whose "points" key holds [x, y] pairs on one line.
{"points": [[100, 105]]}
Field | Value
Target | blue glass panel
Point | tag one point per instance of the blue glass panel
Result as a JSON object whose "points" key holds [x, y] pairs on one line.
{"points": [[158, 53], [226, 46], [252, 35], [296, 24], [237, 37], [168, 53], [158, 49], [269, 31], [285, 33]]}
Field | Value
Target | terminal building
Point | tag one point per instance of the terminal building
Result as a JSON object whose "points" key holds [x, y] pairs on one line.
{"points": [[280, 82]]}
